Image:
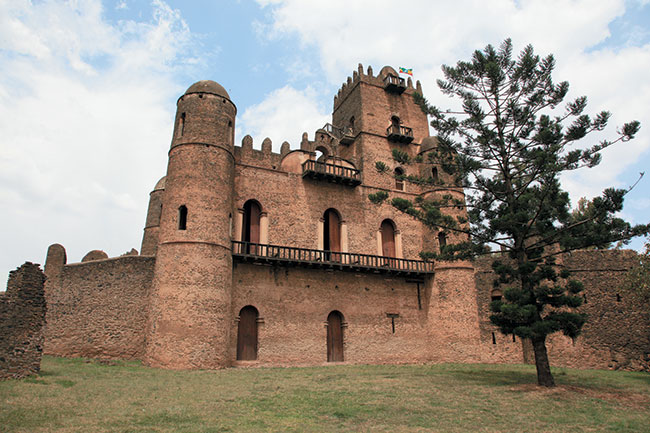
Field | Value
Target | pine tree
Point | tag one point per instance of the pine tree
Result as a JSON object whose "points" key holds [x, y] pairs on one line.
{"points": [[508, 148]]}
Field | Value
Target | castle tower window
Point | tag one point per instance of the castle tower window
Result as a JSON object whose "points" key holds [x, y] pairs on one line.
{"points": [[332, 234], [251, 226], [496, 295], [181, 125], [442, 240], [397, 132], [247, 334], [351, 125], [335, 337], [399, 179], [182, 218], [434, 173]]}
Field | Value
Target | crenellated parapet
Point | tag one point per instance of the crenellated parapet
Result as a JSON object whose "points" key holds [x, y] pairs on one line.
{"points": [[382, 80]]}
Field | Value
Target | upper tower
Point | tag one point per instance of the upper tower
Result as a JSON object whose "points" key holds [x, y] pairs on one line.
{"points": [[382, 116], [190, 308]]}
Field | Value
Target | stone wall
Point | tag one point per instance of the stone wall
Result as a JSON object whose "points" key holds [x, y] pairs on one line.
{"points": [[294, 304], [22, 316], [616, 333], [98, 309]]}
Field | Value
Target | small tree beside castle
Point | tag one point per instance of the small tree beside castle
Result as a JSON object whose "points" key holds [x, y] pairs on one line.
{"points": [[507, 148]]}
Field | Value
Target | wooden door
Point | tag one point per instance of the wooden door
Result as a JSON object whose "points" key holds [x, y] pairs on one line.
{"points": [[252, 214], [247, 334], [388, 242], [333, 234], [335, 337]]}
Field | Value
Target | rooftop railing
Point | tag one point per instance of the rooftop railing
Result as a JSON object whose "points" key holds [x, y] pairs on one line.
{"points": [[394, 84], [263, 253], [331, 172], [344, 135]]}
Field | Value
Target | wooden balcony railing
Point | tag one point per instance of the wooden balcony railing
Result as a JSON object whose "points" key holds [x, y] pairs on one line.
{"points": [[344, 135], [399, 133], [331, 172], [394, 84], [262, 253]]}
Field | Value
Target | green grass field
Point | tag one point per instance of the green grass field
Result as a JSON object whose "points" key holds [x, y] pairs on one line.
{"points": [[77, 395]]}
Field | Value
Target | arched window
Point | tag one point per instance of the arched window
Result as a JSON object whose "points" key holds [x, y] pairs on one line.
{"points": [[332, 234], [395, 122], [335, 337], [182, 217], [442, 240], [434, 173], [321, 154], [247, 334], [399, 180], [388, 238], [388, 241], [251, 226]]}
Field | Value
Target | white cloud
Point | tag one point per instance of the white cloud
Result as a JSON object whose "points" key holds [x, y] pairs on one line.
{"points": [[423, 35], [283, 115], [85, 110]]}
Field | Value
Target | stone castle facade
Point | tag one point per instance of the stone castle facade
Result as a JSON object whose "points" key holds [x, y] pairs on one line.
{"points": [[263, 258]]}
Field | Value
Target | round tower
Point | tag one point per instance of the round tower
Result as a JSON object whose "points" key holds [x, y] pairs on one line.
{"points": [[189, 321], [152, 225]]}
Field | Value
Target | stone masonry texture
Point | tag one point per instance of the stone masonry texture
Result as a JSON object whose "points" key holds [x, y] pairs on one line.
{"points": [[22, 316], [177, 305]]}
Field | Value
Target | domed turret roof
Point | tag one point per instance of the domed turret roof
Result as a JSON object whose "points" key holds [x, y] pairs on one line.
{"points": [[428, 143], [208, 86], [388, 70], [161, 184]]}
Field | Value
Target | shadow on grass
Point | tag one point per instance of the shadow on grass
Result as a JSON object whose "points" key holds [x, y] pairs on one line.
{"points": [[494, 377]]}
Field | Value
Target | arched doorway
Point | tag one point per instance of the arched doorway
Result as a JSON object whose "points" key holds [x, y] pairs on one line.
{"points": [[388, 241], [332, 235], [251, 226], [335, 337], [247, 334]]}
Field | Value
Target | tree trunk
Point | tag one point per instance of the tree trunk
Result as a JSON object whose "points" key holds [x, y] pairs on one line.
{"points": [[544, 376]]}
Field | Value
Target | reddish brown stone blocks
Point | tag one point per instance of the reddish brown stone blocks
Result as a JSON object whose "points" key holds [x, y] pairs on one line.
{"points": [[22, 316]]}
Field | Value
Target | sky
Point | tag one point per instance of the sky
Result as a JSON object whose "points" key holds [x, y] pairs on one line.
{"points": [[88, 91]]}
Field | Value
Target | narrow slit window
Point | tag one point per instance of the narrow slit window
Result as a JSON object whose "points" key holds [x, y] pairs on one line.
{"points": [[182, 218], [442, 240], [494, 338], [181, 125]]}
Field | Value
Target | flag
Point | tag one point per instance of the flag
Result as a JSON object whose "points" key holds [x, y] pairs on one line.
{"points": [[406, 71]]}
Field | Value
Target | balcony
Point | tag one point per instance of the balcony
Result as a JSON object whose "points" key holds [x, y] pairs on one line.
{"points": [[331, 172], [394, 84], [319, 259], [344, 135], [399, 133]]}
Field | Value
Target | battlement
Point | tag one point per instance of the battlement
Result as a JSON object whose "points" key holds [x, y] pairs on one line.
{"points": [[379, 80]]}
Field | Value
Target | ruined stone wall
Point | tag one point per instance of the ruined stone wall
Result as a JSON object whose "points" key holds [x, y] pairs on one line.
{"points": [[294, 304], [616, 333], [22, 316], [98, 309]]}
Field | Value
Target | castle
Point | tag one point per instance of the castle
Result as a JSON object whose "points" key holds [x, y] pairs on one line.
{"points": [[251, 257]]}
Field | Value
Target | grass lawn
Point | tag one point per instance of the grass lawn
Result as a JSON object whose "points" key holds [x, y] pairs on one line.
{"points": [[77, 395]]}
